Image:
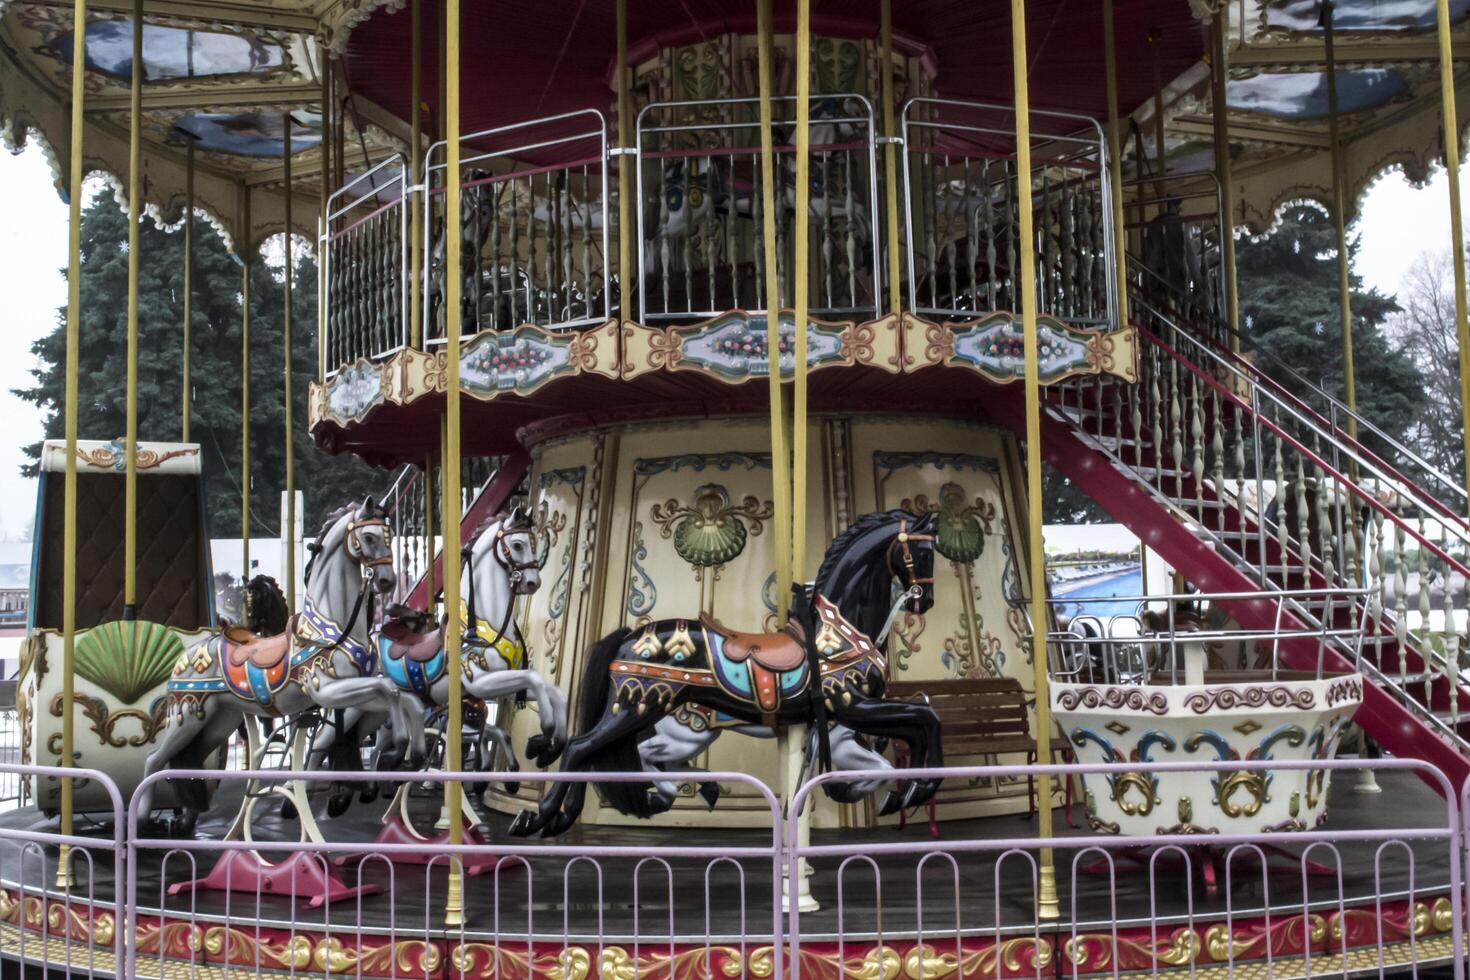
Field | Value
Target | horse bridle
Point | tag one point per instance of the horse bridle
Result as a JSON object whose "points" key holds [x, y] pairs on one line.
{"points": [[906, 557], [515, 570]]}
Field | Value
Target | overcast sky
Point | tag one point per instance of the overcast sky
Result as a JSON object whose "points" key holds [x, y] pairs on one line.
{"points": [[1399, 222]]}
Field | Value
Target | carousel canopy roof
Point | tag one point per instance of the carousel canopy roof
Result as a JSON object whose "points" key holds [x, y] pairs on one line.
{"points": [[227, 74]]}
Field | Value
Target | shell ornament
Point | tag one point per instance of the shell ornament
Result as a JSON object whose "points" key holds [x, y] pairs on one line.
{"points": [[710, 531]]}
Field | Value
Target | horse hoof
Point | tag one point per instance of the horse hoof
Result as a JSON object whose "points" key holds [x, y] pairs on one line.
{"points": [[537, 745], [182, 825], [338, 804], [892, 803], [369, 794], [710, 793], [525, 824], [512, 788], [288, 810]]}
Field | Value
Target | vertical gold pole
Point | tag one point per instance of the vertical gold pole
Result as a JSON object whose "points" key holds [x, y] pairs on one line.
{"points": [[415, 165], [1220, 76], [890, 155], [135, 212], [429, 506], [324, 230], [780, 458], [188, 281], [1451, 132], [799, 270], [290, 529], [242, 238], [1036, 559], [454, 902], [1339, 220], [625, 173], [69, 493], [1115, 162]]}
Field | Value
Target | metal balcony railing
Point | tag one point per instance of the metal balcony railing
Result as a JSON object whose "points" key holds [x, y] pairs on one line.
{"points": [[365, 267], [962, 225], [701, 210]]}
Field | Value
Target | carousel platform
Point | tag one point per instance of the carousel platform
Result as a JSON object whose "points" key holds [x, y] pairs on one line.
{"points": [[698, 917]]}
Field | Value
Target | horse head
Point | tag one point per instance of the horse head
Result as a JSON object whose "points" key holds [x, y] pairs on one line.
{"points": [[367, 539], [505, 547]]}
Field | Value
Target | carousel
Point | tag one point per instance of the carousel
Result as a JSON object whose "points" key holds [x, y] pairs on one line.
{"points": [[713, 354]]}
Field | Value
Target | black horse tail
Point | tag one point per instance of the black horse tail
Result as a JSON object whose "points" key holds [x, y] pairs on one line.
{"points": [[596, 682], [619, 754]]}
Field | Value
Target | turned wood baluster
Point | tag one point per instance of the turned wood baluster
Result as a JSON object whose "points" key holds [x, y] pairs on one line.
{"points": [[588, 307], [849, 227], [664, 251], [1197, 441], [992, 288], [1157, 410], [513, 253], [757, 244], [1068, 294], [550, 248], [1135, 397], [1401, 603], [1303, 523], [1176, 431], [1013, 231], [1426, 651], [971, 217], [1324, 519], [1242, 475], [1282, 518], [828, 249], [1451, 639], [1217, 470], [732, 239], [1373, 557], [711, 233], [931, 242]]}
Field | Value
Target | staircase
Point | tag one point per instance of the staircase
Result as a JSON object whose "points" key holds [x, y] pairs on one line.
{"points": [[1246, 488]]}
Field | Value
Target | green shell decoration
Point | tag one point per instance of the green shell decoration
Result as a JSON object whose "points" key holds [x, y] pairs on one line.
{"points": [[127, 660], [959, 537], [705, 541]]}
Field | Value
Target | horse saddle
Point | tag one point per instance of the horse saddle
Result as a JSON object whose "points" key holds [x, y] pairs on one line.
{"points": [[777, 652], [415, 640], [264, 652]]}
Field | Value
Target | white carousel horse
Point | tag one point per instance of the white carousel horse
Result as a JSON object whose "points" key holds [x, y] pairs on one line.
{"points": [[674, 742], [323, 660], [502, 565]]}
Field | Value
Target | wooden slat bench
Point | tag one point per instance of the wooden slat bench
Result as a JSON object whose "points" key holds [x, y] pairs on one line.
{"points": [[979, 716]]}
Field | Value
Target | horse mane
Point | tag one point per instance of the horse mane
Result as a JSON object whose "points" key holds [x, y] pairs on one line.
{"points": [[268, 612], [860, 527], [515, 520], [335, 516]]}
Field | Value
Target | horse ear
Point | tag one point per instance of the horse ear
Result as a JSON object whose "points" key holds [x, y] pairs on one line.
{"points": [[519, 516]]}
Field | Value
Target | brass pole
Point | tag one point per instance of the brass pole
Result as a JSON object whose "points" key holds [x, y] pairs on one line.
{"points": [[1220, 78], [1036, 559], [243, 239], [290, 529], [454, 904], [188, 280], [1451, 133], [890, 156], [69, 492], [135, 213], [415, 165], [1115, 161], [324, 155], [1339, 220], [800, 271], [780, 459], [625, 175]]}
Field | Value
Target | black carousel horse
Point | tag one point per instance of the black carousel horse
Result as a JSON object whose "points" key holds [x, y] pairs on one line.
{"points": [[822, 666]]}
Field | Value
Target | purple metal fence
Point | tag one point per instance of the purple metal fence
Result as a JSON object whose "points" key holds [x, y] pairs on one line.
{"points": [[585, 881], [1014, 921], [58, 897]]}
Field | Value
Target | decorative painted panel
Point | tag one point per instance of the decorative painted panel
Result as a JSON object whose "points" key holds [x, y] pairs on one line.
{"points": [[734, 346], [994, 346]]}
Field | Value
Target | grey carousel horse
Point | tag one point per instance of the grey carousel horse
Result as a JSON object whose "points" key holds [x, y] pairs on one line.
{"points": [[324, 661], [502, 565]]}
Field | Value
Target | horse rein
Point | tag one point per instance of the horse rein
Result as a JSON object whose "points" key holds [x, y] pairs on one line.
{"points": [[514, 570]]}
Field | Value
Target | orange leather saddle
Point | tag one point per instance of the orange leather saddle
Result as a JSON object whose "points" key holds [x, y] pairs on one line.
{"points": [[778, 652], [264, 652], [418, 645]]}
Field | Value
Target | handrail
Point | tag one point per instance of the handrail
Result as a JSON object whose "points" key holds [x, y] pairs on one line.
{"points": [[1229, 396], [1261, 377]]}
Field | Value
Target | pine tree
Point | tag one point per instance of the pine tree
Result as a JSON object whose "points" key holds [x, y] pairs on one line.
{"points": [[215, 367], [1289, 308]]}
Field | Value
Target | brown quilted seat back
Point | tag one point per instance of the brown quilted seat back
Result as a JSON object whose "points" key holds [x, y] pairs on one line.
{"points": [[174, 585]]}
